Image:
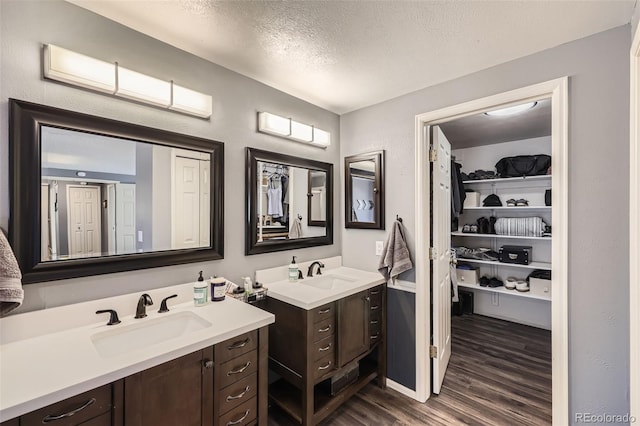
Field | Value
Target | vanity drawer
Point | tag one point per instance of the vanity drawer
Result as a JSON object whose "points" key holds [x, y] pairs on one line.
{"points": [[244, 414], [323, 329], [236, 369], [237, 393], [323, 312], [84, 407], [374, 326], [323, 347], [375, 300], [323, 366], [236, 346]]}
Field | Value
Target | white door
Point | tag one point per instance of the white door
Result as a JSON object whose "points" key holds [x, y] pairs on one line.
{"points": [[186, 220], [111, 218], [83, 216], [125, 218], [45, 223], [205, 202], [441, 242]]}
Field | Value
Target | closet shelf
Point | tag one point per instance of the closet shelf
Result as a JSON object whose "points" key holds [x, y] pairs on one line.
{"points": [[512, 179], [532, 265], [514, 237], [515, 209], [503, 290]]}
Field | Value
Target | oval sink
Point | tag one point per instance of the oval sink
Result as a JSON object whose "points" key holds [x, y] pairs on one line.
{"points": [[146, 333], [327, 282]]}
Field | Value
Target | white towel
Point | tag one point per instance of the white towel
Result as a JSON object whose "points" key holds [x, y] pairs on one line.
{"points": [[395, 258], [11, 293], [296, 229]]}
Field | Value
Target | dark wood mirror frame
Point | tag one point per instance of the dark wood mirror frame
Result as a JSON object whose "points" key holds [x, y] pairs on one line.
{"points": [[25, 121], [378, 189], [251, 192]]}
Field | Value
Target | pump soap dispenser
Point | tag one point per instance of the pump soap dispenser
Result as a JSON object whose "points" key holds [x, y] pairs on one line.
{"points": [[293, 270]]}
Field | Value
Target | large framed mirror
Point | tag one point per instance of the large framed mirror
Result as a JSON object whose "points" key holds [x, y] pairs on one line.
{"points": [[280, 191], [90, 195], [364, 190]]}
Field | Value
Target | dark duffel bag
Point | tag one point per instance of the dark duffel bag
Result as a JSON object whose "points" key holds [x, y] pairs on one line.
{"points": [[523, 165]]}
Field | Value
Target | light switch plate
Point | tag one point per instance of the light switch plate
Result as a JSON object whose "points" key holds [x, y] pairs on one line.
{"points": [[379, 247], [139, 236]]}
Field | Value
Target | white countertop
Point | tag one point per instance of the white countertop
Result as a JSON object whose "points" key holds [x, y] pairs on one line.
{"points": [[306, 296], [45, 368]]}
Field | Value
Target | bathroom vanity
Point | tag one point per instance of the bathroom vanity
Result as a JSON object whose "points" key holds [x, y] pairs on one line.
{"points": [[328, 341], [189, 366]]}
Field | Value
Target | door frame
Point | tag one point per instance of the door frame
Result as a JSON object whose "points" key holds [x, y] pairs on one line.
{"points": [[634, 228], [557, 91]]}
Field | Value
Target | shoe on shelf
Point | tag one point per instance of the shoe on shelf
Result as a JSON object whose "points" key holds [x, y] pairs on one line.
{"points": [[522, 202], [522, 286], [484, 281], [510, 283], [495, 282], [511, 202]]}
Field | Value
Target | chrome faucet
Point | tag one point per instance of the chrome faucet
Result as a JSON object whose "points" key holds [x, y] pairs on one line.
{"points": [[310, 271], [143, 302]]}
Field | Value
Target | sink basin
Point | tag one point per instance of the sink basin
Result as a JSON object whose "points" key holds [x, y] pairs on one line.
{"points": [[147, 332], [327, 282]]}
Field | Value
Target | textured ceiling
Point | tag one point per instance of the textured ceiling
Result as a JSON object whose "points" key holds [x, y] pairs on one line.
{"points": [[345, 55]]}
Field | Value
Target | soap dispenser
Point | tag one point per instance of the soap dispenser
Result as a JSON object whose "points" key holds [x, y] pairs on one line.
{"points": [[200, 291], [293, 270]]}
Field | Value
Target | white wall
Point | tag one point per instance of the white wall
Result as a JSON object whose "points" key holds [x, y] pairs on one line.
{"points": [[25, 25], [598, 70]]}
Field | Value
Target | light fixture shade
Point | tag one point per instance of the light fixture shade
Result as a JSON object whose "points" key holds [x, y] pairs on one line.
{"points": [[274, 124], [191, 102], [141, 87], [301, 132], [511, 110], [321, 137], [80, 70]]}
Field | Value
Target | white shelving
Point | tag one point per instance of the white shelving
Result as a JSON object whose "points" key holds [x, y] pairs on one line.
{"points": [[532, 265], [503, 290], [512, 179], [513, 237], [514, 209]]}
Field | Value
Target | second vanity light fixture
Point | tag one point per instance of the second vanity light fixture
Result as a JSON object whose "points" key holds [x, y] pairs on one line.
{"points": [[83, 71], [287, 128]]}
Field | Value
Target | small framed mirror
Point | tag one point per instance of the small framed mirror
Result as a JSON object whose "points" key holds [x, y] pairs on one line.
{"points": [[364, 190], [289, 202]]}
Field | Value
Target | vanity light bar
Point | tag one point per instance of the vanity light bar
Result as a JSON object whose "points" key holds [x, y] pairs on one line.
{"points": [[83, 71], [287, 128]]}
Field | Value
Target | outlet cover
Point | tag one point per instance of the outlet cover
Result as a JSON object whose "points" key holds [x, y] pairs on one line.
{"points": [[379, 247]]}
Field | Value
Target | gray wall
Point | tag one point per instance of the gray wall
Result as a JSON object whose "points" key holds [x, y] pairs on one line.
{"points": [[25, 25], [598, 67], [144, 196]]}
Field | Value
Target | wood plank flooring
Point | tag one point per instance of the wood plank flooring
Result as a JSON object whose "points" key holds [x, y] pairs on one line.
{"points": [[499, 374]]}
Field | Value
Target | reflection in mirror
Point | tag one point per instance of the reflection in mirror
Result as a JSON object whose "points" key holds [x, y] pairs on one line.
{"points": [[364, 190], [104, 196], [288, 202], [91, 195], [317, 198]]}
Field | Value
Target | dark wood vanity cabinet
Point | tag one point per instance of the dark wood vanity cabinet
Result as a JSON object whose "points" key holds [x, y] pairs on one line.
{"points": [[325, 355], [221, 385]]}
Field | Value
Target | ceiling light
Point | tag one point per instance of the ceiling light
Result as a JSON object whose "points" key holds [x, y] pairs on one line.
{"points": [[511, 110], [79, 70], [287, 128]]}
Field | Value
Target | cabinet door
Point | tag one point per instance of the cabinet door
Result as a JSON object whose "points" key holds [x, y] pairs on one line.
{"points": [[353, 327], [178, 392]]}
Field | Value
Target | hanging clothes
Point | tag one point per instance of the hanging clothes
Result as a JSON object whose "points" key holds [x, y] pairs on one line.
{"points": [[274, 197], [457, 194]]}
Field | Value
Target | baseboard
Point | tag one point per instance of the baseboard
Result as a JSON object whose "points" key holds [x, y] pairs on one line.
{"points": [[402, 389]]}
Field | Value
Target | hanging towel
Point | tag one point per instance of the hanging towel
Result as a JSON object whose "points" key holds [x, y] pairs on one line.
{"points": [[296, 229], [11, 293], [395, 258]]}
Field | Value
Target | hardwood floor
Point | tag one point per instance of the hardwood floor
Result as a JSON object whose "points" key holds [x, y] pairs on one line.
{"points": [[499, 374]]}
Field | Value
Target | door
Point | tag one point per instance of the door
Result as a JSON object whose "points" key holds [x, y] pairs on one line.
{"points": [[125, 218], [205, 202], [83, 206], [440, 260], [45, 223], [186, 203], [111, 218]]}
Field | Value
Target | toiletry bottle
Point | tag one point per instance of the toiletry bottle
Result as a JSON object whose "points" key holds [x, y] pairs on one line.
{"points": [[247, 285], [200, 288], [218, 288], [293, 270]]}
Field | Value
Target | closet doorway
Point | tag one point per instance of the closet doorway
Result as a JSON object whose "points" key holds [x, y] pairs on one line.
{"points": [[433, 322]]}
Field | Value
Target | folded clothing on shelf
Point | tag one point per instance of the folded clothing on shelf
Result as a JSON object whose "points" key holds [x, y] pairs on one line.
{"points": [[479, 175], [476, 253], [520, 226]]}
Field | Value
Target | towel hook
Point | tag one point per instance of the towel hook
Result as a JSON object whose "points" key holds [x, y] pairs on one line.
{"points": [[398, 218], [299, 217]]}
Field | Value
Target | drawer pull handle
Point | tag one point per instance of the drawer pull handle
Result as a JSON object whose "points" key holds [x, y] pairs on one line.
{"points": [[239, 370], [326, 348], [374, 292], [374, 321], [50, 418], [324, 311], [238, 345], [324, 367], [375, 307], [324, 330], [240, 420], [240, 395], [375, 336]]}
